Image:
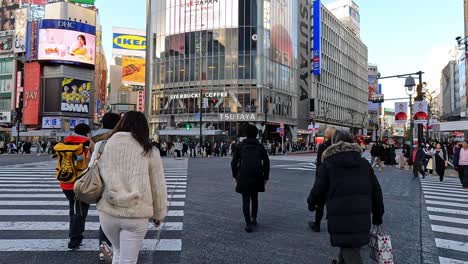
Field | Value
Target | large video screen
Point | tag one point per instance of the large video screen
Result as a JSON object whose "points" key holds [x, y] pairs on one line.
{"points": [[188, 15], [75, 96], [67, 41]]}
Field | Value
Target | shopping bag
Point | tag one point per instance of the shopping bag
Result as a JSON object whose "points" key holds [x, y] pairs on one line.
{"points": [[380, 246]]}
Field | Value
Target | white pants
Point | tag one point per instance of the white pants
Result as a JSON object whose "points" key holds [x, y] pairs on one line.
{"points": [[126, 236]]}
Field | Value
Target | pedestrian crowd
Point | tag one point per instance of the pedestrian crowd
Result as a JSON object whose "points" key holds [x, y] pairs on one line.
{"points": [[25, 147], [133, 189]]}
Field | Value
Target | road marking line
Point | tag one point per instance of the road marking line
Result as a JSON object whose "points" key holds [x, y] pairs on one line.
{"points": [[451, 244], [65, 226], [442, 185], [448, 219], [447, 203], [447, 211], [446, 194], [445, 198], [90, 245], [461, 191], [443, 260], [29, 212], [450, 230], [302, 169], [40, 203]]}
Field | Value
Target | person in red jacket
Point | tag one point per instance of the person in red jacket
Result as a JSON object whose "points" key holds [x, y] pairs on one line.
{"points": [[78, 209]]}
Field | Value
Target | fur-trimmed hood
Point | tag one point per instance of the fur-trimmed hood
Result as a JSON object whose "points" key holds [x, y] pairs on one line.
{"points": [[341, 147]]}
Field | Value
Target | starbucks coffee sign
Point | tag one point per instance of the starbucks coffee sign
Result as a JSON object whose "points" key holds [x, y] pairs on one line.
{"points": [[238, 117]]}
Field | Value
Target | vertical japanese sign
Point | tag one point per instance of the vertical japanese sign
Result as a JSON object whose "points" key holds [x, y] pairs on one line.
{"points": [[20, 29], [401, 113], [317, 55], [141, 101]]}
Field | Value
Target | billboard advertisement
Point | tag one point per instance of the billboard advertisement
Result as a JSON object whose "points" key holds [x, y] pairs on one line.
{"points": [[317, 55], [133, 71], [7, 42], [373, 89], [196, 15], [65, 40], [7, 18], [420, 111], [32, 97], [128, 42], [281, 44], [75, 96], [401, 113], [21, 20]]}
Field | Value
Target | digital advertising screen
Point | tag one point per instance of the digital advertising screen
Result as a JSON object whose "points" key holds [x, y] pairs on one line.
{"points": [[133, 71], [75, 96], [65, 40]]}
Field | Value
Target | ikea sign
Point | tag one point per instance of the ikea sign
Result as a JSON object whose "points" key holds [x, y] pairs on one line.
{"points": [[129, 42]]}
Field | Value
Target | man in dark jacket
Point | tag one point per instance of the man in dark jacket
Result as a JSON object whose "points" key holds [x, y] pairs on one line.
{"points": [[251, 170], [352, 193], [418, 158], [329, 133]]}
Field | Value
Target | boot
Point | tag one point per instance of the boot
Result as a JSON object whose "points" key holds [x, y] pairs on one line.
{"points": [[249, 228], [314, 226]]}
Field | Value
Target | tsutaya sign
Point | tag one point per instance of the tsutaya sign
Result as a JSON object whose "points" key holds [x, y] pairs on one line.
{"points": [[197, 95], [238, 117]]}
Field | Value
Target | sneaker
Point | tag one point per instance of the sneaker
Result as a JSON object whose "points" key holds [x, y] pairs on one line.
{"points": [[249, 229], [74, 245], [101, 257]]}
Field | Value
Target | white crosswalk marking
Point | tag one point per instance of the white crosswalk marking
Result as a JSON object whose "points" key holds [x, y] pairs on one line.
{"points": [[30, 193], [448, 211], [301, 163]]}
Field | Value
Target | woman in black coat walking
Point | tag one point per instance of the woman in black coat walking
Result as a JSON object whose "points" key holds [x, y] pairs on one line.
{"points": [[251, 170], [440, 158], [352, 193]]}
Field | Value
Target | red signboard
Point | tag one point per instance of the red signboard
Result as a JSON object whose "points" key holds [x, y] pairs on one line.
{"points": [[141, 101], [32, 81]]}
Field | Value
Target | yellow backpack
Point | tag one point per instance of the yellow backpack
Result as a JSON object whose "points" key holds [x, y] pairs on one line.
{"points": [[71, 162]]}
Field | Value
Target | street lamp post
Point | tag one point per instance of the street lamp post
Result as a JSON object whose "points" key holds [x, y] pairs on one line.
{"points": [[410, 84]]}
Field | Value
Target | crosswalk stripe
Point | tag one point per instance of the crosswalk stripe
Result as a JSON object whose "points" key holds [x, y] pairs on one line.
{"points": [[90, 245], [447, 211], [457, 185], [30, 185], [446, 194], [461, 191], [177, 190], [450, 230], [12, 202], [52, 195], [31, 212], [451, 244], [64, 226], [448, 219], [445, 198], [443, 260], [447, 203]]}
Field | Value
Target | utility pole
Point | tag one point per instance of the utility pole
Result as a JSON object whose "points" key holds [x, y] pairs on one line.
{"points": [[201, 118]]}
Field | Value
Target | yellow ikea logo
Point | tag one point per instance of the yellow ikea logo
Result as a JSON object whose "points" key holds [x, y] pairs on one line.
{"points": [[129, 42]]}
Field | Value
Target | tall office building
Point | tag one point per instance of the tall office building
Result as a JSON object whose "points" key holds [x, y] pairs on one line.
{"points": [[250, 61], [347, 11]]}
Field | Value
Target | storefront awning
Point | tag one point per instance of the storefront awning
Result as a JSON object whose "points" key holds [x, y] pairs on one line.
{"points": [[191, 132]]}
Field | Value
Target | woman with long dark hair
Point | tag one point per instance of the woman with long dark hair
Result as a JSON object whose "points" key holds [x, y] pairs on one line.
{"points": [[134, 186], [440, 158]]}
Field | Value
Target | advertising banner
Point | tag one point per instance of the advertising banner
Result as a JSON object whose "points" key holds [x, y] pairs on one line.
{"points": [[133, 71], [6, 85], [6, 42], [7, 19], [75, 96], [141, 101], [401, 113], [31, 40], [196, 15], [66, 40], [420, 111], [49, 122], [317, 55], [32, 97], [129, 42], [281, 44], [21, 22]]}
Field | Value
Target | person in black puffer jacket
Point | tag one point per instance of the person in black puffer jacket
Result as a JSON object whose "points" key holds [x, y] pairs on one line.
{"points": [[250, 169], [352, 193]]}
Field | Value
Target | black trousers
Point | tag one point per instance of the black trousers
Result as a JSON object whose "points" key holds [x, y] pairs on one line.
{"points": [[418, 168], [247, 199], [78, 214], [463, 175], [319, 213]]}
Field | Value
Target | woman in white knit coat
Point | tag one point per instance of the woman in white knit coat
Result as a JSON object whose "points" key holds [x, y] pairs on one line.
{"points": [[134, 187]]}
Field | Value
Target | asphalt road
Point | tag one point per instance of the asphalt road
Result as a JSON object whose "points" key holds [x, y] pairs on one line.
{"points": [[21, 159], [207, 224]]}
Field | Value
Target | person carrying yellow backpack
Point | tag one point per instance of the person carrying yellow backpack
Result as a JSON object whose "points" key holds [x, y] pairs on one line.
{"points": [[72, 161]]}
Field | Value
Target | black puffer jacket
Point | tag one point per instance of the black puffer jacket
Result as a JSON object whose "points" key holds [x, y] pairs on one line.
{"points": [[250, 166], [352, 193]]}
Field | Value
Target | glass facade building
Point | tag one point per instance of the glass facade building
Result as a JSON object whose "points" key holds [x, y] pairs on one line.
{"points": [[236, 60]]}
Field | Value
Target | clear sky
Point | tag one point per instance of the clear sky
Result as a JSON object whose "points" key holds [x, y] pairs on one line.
{"points": [[402, 36]]}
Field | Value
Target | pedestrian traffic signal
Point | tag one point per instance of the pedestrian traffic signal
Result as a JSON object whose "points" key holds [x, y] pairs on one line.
{"points": [[188, 126]]}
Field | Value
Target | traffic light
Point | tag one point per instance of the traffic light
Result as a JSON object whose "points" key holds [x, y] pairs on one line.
{"points": [[188, 126], [19, 110]]}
